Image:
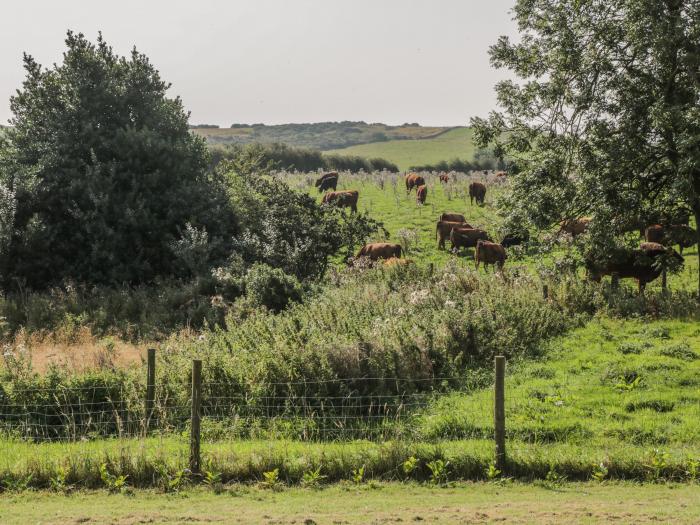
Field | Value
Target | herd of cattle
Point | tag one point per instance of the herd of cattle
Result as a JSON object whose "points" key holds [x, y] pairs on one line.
{"points": [[641, 264]]}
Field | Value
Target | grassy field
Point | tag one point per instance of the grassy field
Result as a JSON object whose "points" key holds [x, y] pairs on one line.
{"points": [[378, 503], [456, 143], [384, 198]]}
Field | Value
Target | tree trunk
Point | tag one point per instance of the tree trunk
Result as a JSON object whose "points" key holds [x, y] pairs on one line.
{"points": [[696, 213]]}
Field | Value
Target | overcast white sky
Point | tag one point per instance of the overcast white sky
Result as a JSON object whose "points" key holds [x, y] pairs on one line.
{"points": [[277, 61]]}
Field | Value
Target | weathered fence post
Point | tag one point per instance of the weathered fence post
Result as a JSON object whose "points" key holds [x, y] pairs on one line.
{"points": [[664, 281], [499, 413], [150, 388], [545, 291], [195, 458]]}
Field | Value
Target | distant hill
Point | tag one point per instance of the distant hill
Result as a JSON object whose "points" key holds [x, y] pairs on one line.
{"points": [[454, 143], [321, 135]]}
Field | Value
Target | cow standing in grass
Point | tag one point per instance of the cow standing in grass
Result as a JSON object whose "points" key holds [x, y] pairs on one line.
{"points": [[641, 264], [452, 217], [477, 191], [421, 194], [380, 250], [444, 228], [413, 181], [461, 237], [343, 199], [327, 181], [489, 253]]}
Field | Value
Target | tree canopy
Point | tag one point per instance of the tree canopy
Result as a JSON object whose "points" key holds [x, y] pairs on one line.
{"points": [[604, 114], [102, 173]]}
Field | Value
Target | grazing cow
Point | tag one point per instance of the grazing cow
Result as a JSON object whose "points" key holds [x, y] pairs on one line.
{"points": [[477, 191], [655, 233], [413, 181], [421, 194], [327, 181], [443, 230], [515, 239], [453, 217], [380, 250], [489, 253], [461, 237], [343, 199], [575, 227], [635, 264], [682, 235], [444, 177]]}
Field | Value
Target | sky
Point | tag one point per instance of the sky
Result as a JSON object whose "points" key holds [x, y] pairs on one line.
{"points": [[279, 61]]}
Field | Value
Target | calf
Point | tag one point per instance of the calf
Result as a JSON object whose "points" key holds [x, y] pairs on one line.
{"points": [[421, 194], [489, 253]]}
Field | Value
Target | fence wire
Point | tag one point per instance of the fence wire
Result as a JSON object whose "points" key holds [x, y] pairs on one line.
{"points": [[342, 409]]}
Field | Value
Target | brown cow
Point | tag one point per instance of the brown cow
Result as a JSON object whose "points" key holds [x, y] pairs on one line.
{"points": [[635, 264], [327, 181], [343, 199], [443, 230], [655, 233], [489, 253], [421, 194], [477, 191], [461, 237], [444, 177], [575, 227], [452, 217], [380, 250], [413, 181]]}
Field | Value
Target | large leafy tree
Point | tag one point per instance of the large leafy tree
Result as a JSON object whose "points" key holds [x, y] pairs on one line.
{"points": [[604, 114], [102, 173]]}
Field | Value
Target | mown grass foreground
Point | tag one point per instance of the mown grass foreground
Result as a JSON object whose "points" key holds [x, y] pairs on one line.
{"points": [[375, 503]]}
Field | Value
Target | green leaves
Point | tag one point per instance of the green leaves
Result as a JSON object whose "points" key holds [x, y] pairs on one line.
{"points": [[603, 118], [104, 172]]}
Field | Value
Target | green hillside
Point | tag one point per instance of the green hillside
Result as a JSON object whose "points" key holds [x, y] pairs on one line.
{"points": [[318, 135], [456, 143]]}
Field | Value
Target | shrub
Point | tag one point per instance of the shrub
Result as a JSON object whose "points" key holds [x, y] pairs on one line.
{"points": [[271, 287]]}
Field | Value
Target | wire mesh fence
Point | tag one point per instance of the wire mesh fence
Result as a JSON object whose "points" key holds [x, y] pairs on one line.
{"points": [[340, 409]]}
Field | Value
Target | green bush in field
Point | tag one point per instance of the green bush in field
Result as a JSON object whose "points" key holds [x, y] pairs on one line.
{"points": [[271, 287], [103, 173]]}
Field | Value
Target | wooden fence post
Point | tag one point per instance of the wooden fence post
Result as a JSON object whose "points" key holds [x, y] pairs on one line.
{"points": [[664, 281], [150, 387], [195, 458], [499, 413]]}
